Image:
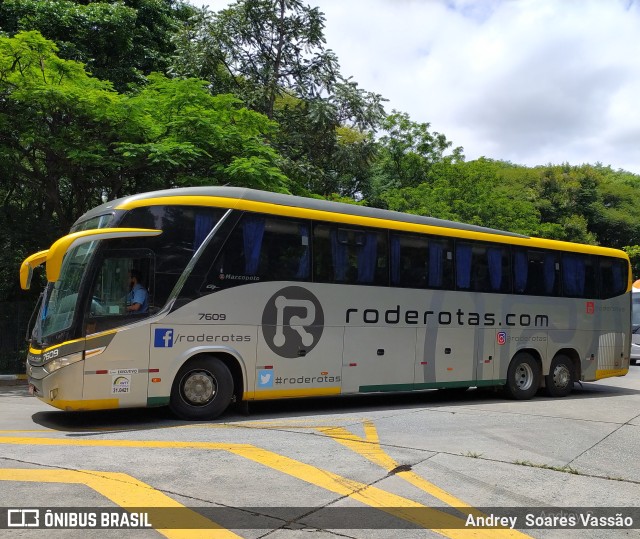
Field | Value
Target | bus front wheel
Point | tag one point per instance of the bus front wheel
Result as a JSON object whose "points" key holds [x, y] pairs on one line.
{"points": [[523, 377], [559, 381], [202, 389]]}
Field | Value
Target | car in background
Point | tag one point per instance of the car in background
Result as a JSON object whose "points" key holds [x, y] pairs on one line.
{"points": [[635, 324]]}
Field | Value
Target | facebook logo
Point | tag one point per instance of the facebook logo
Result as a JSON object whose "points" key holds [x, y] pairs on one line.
{"points": [[163, 338]]}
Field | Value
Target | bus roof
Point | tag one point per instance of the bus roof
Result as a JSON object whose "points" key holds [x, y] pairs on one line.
{"points": [[310, 208], [279, 199]]}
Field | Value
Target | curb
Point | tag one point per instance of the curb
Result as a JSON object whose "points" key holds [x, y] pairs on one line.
{"points": [[12, 379]]}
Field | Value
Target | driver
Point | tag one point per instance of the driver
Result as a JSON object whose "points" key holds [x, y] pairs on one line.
{"points": [[138, 297]]}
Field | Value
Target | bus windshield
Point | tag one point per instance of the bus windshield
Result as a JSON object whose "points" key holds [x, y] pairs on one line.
{"points": [[60, 300]]}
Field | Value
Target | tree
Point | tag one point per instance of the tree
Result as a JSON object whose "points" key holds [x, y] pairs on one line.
{"points": [[407, 154], [186, 136], [634, 254], [469, 193], [67, 138], [273, 47], [59, 123], [118, 41], [271, 54], [588, 204]]}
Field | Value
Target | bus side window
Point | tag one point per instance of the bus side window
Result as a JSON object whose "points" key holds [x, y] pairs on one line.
{"points": [[578, 276], [184, 229], [286, 252], [409, 260], [238, 261], [371, 257], [350, 256], [440, 271], [498, 262], [535, 273], [262, 248], [482, 268], [613, 277]]}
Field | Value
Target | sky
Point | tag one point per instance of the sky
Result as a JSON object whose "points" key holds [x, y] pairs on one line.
{"points": [[528, 81]]}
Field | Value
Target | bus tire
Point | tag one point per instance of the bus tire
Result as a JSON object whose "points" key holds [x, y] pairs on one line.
{"points": [[523, 377], [202, 389], [559, 381]]}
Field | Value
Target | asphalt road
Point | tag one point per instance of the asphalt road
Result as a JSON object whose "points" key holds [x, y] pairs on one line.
{"points": [[413, 465]]}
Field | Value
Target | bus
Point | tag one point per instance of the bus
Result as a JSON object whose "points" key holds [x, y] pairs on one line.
{"points": [[255, 295]]}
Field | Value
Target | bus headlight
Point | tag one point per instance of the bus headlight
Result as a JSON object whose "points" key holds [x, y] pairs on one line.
{"points": [[60, 362]]}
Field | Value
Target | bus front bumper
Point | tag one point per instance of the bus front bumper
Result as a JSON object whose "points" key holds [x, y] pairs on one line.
{"points": [[63, 388]]}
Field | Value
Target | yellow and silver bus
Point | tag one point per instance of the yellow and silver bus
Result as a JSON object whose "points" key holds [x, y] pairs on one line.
{"points": [[255, 295]]}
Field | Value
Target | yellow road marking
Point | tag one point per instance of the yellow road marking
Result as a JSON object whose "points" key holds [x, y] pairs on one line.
{"points": [[126, 491], [398, 506], [369, 447]]}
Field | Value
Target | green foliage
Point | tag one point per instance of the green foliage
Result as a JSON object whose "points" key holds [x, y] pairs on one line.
{"points": [[467, 192], [68, 139], [117, 41], [62, 123], [407, 155], [634, 254], [272, 55], [273, 46], [591, 204], [186, 136], [584, 204]]}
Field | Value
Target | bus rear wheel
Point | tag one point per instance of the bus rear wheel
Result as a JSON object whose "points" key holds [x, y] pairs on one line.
{"points": [[202, 389], [559, 381], [523, 377]]}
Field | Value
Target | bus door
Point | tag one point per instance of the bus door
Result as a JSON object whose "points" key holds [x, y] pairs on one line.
{"points": [[298, 361], [118, 363], [125, 359], [445, 356], [457, 355], [485, 354], [378, 359]]}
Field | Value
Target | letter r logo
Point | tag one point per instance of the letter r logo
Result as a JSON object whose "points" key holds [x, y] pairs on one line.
{"points": [[163, 338], [292, 322]]}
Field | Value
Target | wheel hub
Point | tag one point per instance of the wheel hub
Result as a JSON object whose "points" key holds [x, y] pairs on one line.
{"points": [[524, 376], [199, 387], [561, 376]]}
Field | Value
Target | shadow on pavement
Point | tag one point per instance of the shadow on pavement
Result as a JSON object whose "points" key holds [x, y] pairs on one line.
{"points": [[132, 419]]}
